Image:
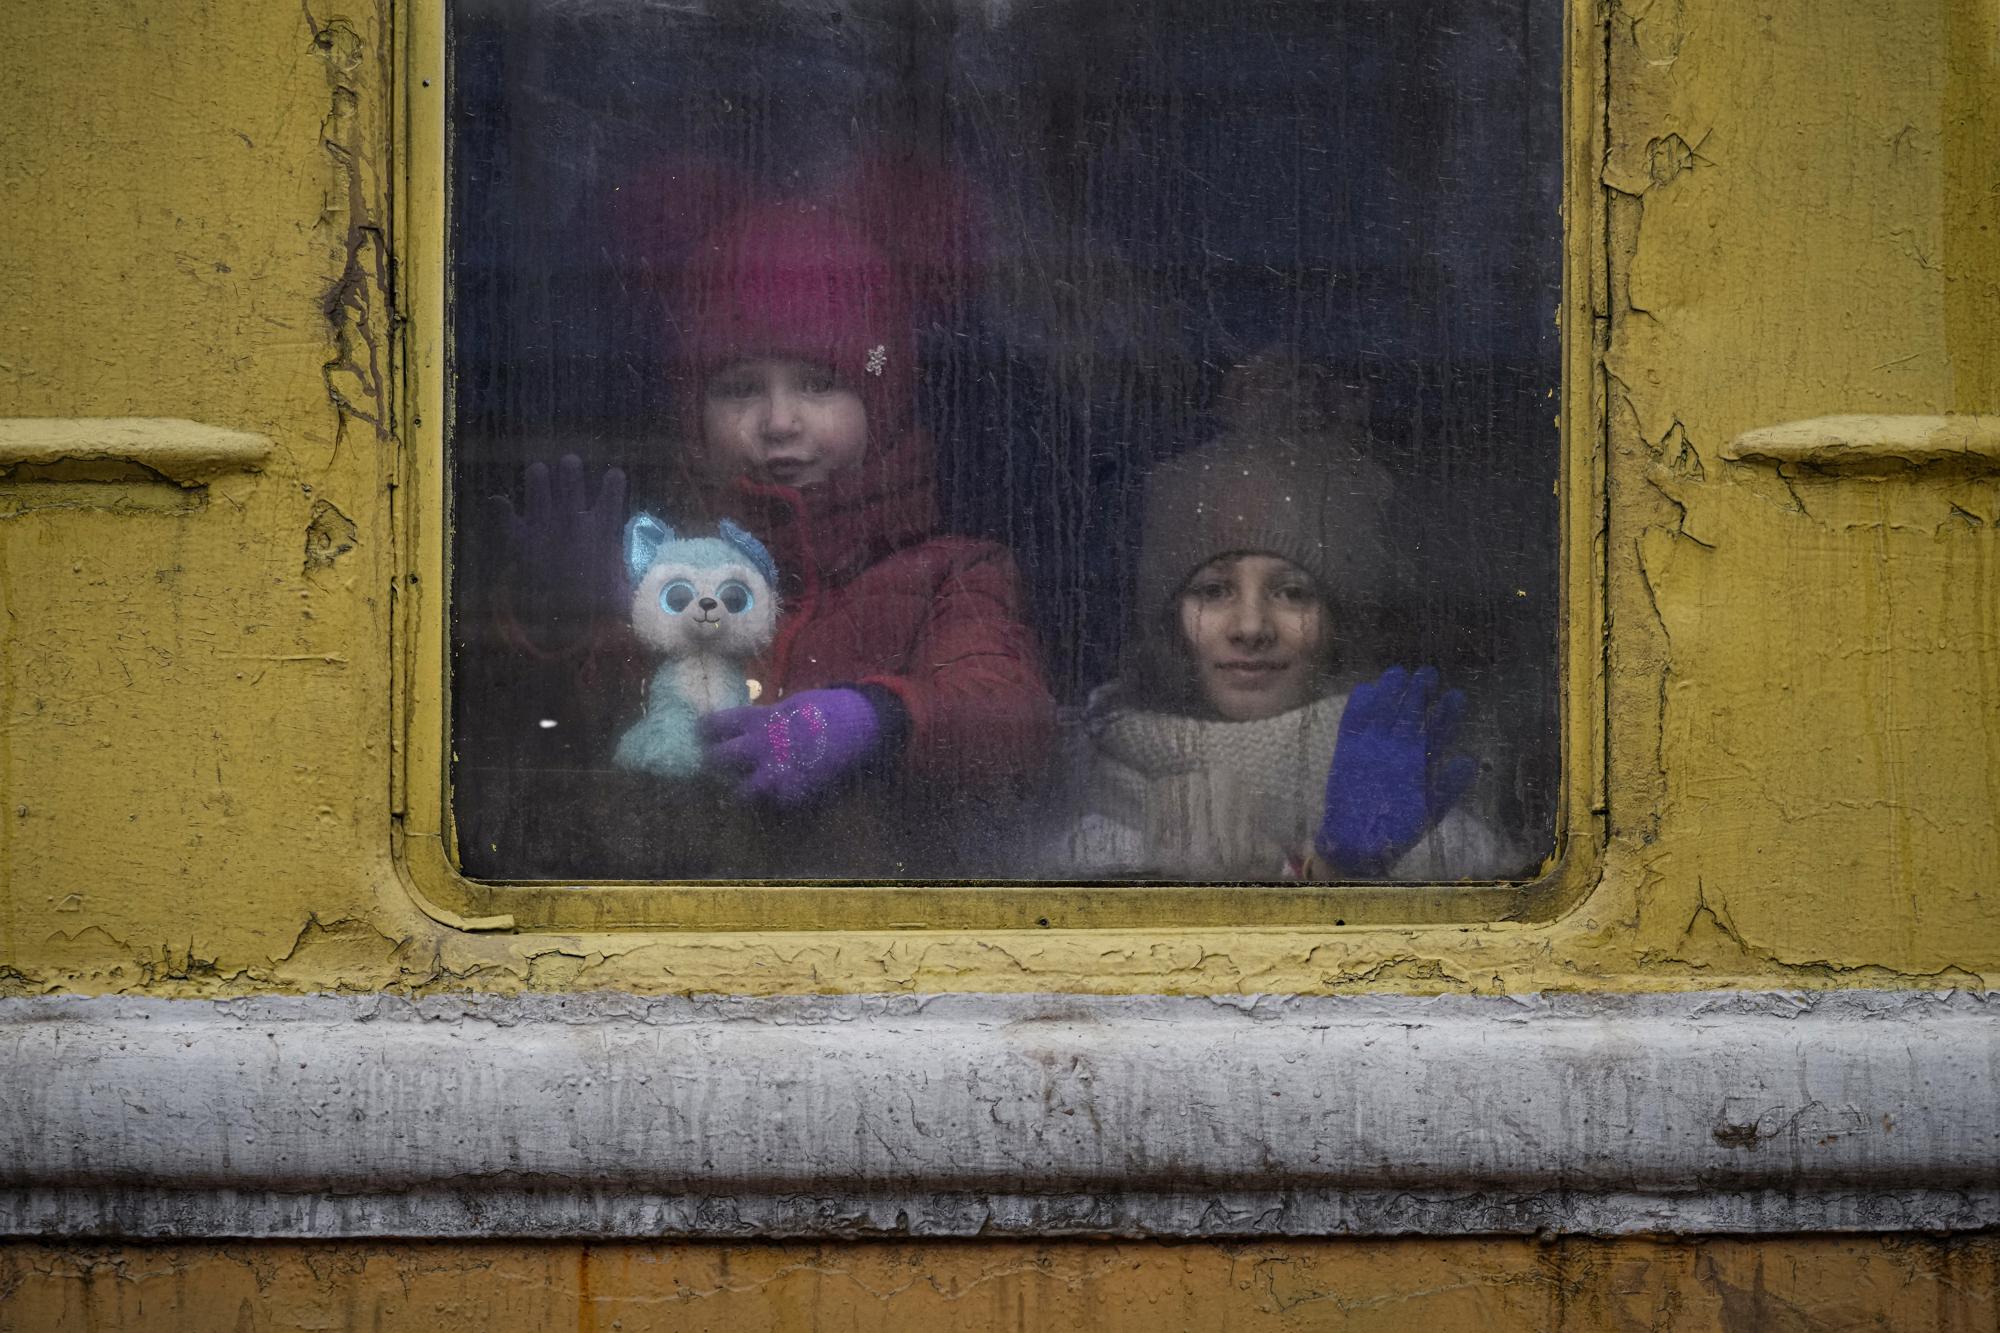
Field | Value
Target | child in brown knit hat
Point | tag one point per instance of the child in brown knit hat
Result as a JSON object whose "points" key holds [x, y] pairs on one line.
{"points": [[1228, 748]]}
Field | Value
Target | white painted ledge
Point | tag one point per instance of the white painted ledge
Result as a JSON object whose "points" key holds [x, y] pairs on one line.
{"points": [[1865, 441], [187, 453], [608, 1115]]}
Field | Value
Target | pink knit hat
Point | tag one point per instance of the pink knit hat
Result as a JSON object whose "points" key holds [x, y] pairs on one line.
{"points": [[795, 279]]}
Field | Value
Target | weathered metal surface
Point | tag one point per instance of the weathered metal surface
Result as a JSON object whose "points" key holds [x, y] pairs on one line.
{"points": [[187, 453], [1800, 669], [199, 753], [613, 1115]]}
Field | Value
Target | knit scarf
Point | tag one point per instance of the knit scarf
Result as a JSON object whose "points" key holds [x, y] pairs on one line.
{"points": [[1228, 799]]}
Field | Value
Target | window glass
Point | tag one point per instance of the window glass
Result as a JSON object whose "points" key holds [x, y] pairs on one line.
{"points": [[987, 440]]}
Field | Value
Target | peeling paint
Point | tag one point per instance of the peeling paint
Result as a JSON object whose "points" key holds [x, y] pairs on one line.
{"points": [[330, 535], [354, 305]]}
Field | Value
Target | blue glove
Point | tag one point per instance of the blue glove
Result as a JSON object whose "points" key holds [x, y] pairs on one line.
{"points": [[1390, 781]]}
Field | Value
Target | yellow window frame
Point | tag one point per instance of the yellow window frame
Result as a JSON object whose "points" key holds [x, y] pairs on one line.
{"points": [[421, 750]]}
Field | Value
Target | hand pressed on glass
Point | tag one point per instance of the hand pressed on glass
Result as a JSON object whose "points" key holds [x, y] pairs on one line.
{"points": [[563, 568], [1391, 779]]}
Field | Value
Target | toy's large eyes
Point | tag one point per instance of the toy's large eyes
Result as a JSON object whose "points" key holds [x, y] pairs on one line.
{"points": [[676, 597], [735, 597]]}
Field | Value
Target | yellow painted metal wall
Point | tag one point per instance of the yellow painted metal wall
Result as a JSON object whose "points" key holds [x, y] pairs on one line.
{"points": [[1803, 679], [1802, 761], [1784, 1285]]}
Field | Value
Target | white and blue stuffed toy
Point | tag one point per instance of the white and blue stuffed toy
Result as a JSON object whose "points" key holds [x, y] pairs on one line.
{"points": [[707, 604]]}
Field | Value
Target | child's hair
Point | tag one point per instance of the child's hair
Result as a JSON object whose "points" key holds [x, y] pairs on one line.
{"points": [[1290, 477]]}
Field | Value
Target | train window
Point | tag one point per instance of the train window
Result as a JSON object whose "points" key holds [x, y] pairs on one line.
{"points": [[1004, 440]]}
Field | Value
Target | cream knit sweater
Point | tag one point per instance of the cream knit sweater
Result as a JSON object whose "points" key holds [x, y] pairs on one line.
{"points": [[1158, 794]]}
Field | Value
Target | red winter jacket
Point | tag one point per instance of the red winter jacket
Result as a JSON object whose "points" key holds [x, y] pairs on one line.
{"points": [[873, 596]]}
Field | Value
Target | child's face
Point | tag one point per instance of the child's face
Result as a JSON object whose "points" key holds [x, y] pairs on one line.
{"points": [[782, 420], [1257, 630]]}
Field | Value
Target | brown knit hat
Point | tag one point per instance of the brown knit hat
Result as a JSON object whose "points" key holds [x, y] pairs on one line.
{"points": [[1290, 476]]}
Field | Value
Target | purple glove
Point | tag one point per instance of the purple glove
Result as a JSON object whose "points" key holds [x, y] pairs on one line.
{"points": [[1390, 780], [794, 750], [564, 554]]}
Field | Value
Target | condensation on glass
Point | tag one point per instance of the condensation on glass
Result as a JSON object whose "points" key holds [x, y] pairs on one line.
{"points": [[998, 441]]}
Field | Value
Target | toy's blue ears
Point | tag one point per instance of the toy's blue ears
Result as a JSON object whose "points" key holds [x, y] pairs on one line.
{"points": [[644, 536], [753, 550]]}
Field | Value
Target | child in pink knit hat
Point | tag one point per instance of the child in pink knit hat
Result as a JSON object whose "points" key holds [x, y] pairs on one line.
{"points": [[902, 659], [897, 643]]}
